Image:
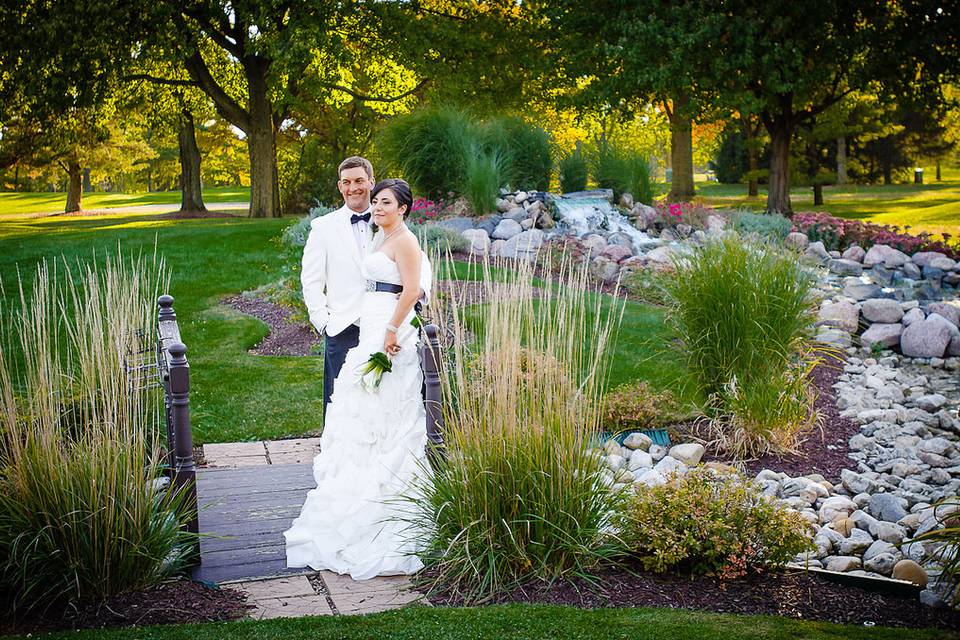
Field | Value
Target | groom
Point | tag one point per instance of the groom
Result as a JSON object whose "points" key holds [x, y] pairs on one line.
{"points": [[333, 285]]}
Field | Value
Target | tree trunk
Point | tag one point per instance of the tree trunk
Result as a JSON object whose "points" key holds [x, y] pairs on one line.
{"points": [[191, 193], [261, 144], [74, 186], [753, 187], [938, 171], [87, 186], [842, 160], [681, 150], [780, 128], [887, 172], [16, 176], [817, 195]]}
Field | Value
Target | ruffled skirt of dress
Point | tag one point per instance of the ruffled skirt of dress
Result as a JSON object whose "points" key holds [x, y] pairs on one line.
{"points": [[372, 450]]}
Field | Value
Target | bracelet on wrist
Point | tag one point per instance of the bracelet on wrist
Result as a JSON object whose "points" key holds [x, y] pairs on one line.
{"points": [[391, 328]]}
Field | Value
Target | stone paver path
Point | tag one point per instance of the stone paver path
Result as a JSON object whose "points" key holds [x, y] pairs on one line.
{"points": [[249, 493]]}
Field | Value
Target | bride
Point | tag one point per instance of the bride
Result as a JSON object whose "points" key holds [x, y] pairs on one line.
{"points": [[374, 439]]}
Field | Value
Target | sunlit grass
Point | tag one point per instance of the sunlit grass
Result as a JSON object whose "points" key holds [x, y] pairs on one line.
{"points": [[933, 207], [20, 204]]}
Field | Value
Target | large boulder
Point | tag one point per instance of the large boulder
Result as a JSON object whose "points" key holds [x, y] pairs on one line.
{"points": [[518, 214], [594, 243], [927, 338], [616, 252], [944, 264], [854, 252], [689, 453], [886, 507], [858, 290], [885, 255], [949, 310], [882, 310], [845, 267], [507, 229], [840, 315], [913, 315], [479, 241], [885, 335], [910, 571], [797, 240], [459, 224], [604, 269], [923, 258], [818, 252], [662, 256], [524, 245]]}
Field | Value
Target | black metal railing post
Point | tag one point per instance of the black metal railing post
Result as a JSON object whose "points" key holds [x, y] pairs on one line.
{"points": [[432, 393], [168, 332]]}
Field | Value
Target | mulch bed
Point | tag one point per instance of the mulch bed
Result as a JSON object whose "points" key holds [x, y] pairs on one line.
{"points": [[177, 602], [285, 338], [792, 594], [824, 449]]}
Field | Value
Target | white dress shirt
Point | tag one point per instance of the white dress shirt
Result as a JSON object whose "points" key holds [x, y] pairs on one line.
{"points": [[361, 232]]}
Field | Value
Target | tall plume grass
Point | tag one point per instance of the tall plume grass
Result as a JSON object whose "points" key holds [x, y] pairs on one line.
{"points": [[79, 451], [519, 497], [743, 313]]}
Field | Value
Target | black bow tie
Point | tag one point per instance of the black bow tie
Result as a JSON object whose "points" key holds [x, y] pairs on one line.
{"points": [[355, 218]]}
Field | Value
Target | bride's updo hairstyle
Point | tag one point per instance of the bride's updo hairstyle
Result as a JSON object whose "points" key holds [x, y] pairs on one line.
{"points": [[400, 189]]}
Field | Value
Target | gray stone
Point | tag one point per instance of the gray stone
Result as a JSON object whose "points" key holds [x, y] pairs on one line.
{"points": [[479, 241], [595, 243], [843, 564], [845, 267], [689, 453], [953, 349], [839, 315], [913, 315], [670, 465], [523, 245], [836, 507], [616, 252], [886, 255], [517, 214], [861, 290], [503, 205], [939, 319], [882, 310], [507, 229], [796, 240], [912, 271], [836, 337], [639, 460], [923, 258], [626, 200], [459, 225], [882, 564], [944, 264], [925, 339], [885, 335], [604, 269], [638, 440], [856, 483], [886, 507], [878, 547], [889, 532], [649, 477], [662, 255], [854, 252], [489, 223], [657, 452], [817, 251]]}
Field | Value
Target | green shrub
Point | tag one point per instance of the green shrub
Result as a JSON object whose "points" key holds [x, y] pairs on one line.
{"points": [[711, 522], [519, 497], [622, 171], [483, 176], [429, 148], [646, 285], [772, 226], [80, 518], [525, 148], [743, 314], [573, 171], [437, 240], [635, 406]]}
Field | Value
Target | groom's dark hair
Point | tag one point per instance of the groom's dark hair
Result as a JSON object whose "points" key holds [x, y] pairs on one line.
{"points": [[399, 188], [353, 162]]}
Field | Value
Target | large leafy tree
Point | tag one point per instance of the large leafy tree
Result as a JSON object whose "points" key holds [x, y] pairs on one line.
{"points": [[790, 62], [626, 54]]}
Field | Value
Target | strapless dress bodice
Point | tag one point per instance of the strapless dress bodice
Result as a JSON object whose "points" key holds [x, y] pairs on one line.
{"points": [[378, 266]]}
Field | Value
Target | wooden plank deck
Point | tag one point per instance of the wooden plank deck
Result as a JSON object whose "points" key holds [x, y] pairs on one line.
{"points": [[243, 514]]}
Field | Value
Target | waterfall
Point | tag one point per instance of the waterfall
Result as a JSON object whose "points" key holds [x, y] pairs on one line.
{"points": [[591, 212]]}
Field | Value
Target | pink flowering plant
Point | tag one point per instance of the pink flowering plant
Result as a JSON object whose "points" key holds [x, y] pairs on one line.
{"points": [[670, 214], [839, 233], [424, 210]]}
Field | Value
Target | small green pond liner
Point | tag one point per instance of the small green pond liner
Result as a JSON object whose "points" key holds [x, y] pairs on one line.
{"points": [[659, 436]]}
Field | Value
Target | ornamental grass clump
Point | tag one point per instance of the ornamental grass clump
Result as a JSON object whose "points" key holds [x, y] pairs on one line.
{"points": [[80, 515], [711, 522], [743, 314], [519, 497]]}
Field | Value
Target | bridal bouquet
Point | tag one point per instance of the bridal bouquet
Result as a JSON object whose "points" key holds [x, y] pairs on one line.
{"points": [[371, 372]]}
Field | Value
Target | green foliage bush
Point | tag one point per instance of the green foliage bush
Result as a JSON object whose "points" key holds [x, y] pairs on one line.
{"points": [[80, 517], [436, 240], [574, 171], [772, 226], [636, 406], [646, 285], [524, 149], [743, 314], [711, 522], [731, 163], [622, 171], [429, 148], [483, 175]]}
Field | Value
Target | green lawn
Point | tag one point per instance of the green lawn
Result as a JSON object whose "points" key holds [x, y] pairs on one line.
{"points": [[519, 622], [933, 207], [235, 395], [18, 204]]}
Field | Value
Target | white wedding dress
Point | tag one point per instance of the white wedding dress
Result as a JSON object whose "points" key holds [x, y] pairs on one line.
{"points": [[372, 448]]}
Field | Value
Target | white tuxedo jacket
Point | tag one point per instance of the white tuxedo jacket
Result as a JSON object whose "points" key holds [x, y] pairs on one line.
{"points": [[333, 285]]}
